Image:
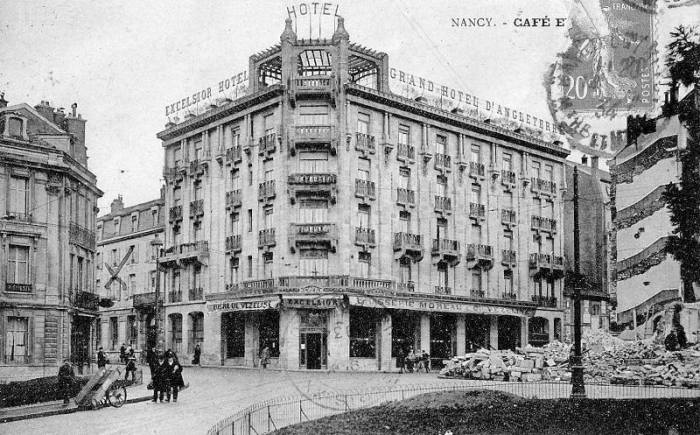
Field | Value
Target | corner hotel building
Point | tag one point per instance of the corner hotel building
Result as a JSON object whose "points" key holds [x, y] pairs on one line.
{"points": [[335, 222]]}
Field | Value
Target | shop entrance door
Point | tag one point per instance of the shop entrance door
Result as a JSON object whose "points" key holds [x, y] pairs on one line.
{"points": [[312, 354]]}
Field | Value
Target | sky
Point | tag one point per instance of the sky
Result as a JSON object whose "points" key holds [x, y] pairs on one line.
{"points": [[124, 62]]}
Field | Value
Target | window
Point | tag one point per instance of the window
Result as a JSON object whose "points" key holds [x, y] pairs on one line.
{"points": [[269, 217], [98, 286], [152, 279], [197, 230], [235, 182], [313, 162], [235, 137], [268, 258], [132, 285], [549, 172], [134, 223], [363, 333], [250, 220], [550, 287], [476, 234], [132, 330], [154, 216], [175, 282], [443, 275], [198, 154], [233, 269], [116, 225], [365, 260], [15, 127], [19, 195], [404, 135], [363, 168], [81, 273], [134, 254], [405, 270], [404, 221], [235, 335], [441, 144], [441, 228], [313, 262], [476, 154], [235, 223], [114, 333], [269, 332], [476, 280], [98, 261], [177, 156], [176, 332], [536, 169], [250, 175], [269, 122], [363, 212], [18, 265], [441, 186], [314, 115], [312, 210], [508, 281], [17, 340], [100, 234], [250, 266], [196, 335], [363, 123], [405, 178], [508, 240], [507, 162], [177, 196], [594, 309], [476, 194]]}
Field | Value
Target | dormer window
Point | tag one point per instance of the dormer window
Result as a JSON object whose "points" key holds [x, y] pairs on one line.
{"points": [[14, 126]]}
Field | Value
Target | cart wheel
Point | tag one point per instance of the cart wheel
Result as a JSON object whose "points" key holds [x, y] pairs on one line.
{"points": [[116, 396]]}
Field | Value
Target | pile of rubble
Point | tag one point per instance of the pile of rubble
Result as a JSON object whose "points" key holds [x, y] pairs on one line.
{"points": [[605, 359]]}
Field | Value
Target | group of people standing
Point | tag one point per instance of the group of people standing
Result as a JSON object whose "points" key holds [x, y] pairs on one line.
{"points": [[166, 375], [413, 361]]}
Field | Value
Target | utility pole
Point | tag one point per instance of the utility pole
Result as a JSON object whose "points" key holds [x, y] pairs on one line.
{"points": [[156, 244], [578, 390]]}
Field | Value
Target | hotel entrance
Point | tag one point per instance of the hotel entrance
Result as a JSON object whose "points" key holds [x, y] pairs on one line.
{"points": [[312, 351]]}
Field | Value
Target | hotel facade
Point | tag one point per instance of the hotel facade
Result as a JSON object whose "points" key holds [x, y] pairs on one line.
{"points": [[339, 224]]}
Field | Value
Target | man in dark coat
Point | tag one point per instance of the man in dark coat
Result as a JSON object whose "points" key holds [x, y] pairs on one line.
{"points": [[401, 360], [197, 355], [175, 381], [161, 382], [65, 379], [122, 354], [152, 360]]}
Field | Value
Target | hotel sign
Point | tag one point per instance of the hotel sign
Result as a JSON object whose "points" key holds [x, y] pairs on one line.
{"points": [[249, 305], [439, 306], [232, 88], [315, 303]]}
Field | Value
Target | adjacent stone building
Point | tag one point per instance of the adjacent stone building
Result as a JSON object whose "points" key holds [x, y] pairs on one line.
{"points": [[339, 224], [595, 226], [126, 274], [48, 207]]}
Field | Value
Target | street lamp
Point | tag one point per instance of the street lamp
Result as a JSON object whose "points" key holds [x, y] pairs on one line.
{"points": [[157, 243]]}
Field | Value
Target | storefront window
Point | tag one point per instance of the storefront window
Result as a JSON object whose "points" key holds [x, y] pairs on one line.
{"points": [[234, 327], [270, 332], [363, 333], [403, 333]]}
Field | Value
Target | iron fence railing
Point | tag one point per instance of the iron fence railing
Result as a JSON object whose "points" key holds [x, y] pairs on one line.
{"points": [[267, 416]]}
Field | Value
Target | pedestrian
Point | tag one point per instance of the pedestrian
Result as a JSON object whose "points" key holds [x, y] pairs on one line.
{"points": [[129, 351], [197, 355], [401, 360], [410, 358], [65, 379], [101, 358], [122, 354], [152, 359], [426, 361], [671, 341], [130, 368], [265, 357], [175, 381], [160, 379]]}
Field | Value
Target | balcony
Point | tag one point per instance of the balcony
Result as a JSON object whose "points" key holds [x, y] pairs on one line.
{"points": [[477, 212], [477, 171], [545, 301], [175, 213], [197, 208], [508, 179], [81, 236], [542, 187], [18, 217], [443, 162], [174, 296], [406, 154], [197, 167], [447, 250], [85, 300], [405, 197], [443, 204], [233, 199], [267, 145], [18, 288], [480, 256], [365, 143], [266, 191], [365, 189], [509, 218], [144, 301], [171, 174], [320, 235], [233, 244], [266, 238], [546, 265], [313, 87], [315, 137], [234, 155], [442, 290], [196, 294], [365, 238], [185, 253], [509, 296], [477, 294], [316, 185], [544, 224], [407, 244], [509, 258]]}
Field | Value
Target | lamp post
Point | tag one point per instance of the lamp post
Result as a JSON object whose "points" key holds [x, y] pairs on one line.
{"points": [[578, 390], [157, 243]]}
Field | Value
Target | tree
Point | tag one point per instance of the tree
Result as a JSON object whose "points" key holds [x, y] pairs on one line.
{"points": [[683, 199]]}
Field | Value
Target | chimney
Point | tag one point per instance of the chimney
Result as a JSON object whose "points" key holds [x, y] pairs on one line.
{"points": [[584, 160], [117, 205], [3, 101], [58, 117], [45, 110], [75, 125], [594, 162]]}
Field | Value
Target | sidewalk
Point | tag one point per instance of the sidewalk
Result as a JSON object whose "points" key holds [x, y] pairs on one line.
{"points": [[136, 393]]}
